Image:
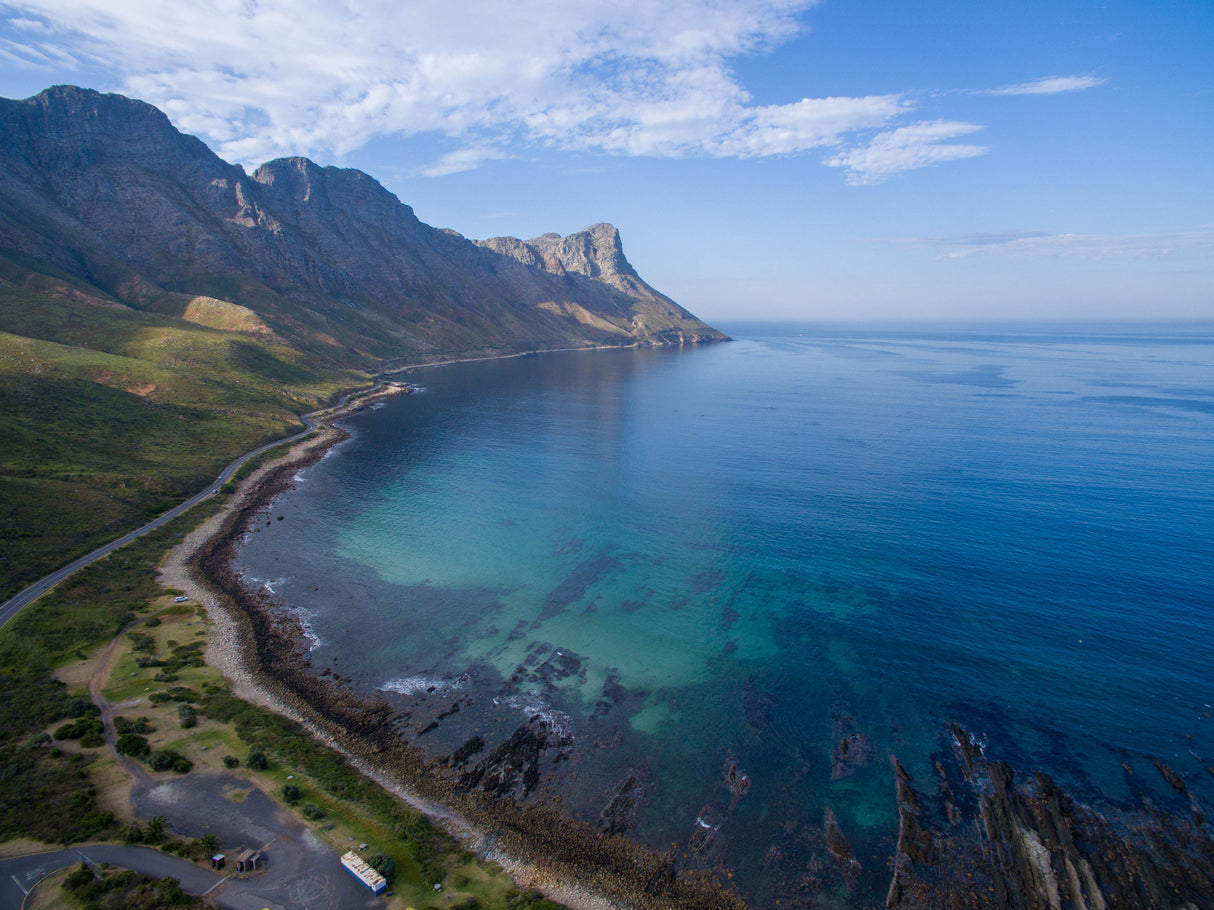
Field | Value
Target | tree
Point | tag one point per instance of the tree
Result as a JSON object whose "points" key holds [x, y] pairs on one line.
{"points": [[156, 829], [209, 843]]}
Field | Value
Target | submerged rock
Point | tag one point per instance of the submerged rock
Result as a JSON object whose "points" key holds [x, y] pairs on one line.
{"points": [[620, 812], [840, 849]]}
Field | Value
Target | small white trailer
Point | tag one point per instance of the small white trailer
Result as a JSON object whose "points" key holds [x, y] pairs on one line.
{"points": [[358, 867]]}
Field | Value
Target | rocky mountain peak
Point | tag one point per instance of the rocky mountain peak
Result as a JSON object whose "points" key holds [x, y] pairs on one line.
{"points": [[86, 126], [595, 252], [317, 191]]}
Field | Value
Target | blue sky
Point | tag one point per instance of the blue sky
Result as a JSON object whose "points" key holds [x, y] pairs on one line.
{"points": [[763, 159]]}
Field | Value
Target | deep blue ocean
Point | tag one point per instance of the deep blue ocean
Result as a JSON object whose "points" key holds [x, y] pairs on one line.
{"points": [[748, 551]]}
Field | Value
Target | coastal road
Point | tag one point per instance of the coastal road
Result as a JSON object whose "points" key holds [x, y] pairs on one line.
{"points": [[19, 874], [14, 604]]}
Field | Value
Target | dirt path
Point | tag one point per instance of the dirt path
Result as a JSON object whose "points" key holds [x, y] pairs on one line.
{"points": [[101, 674]]}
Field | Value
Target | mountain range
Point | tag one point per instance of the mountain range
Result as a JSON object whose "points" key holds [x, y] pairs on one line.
{"points": [[103, 189]]}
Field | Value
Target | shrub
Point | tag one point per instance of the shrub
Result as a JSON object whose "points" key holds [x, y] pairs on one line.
{"points": [[313, 811], [132, 744], [80, 879], [187, 716], [79, 728], [79, 706], [92, 740], [140, 725], [231, 761], [257, 760], [169, 760], [383, 864], [291, 793]]}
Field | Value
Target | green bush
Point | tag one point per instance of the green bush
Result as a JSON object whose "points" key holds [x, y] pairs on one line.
{"points": [[78, 706], [79, 728], [257, 760], [231, 761], [140, 725], [169, 760], [383, 864], [132, 744], [141, 642], [313, 811], [291, 793]]}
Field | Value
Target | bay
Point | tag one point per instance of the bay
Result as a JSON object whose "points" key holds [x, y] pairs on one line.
{"points": [[739, 555]]}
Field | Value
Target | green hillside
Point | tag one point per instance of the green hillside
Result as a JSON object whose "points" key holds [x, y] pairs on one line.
{"points": [[110, 415]]}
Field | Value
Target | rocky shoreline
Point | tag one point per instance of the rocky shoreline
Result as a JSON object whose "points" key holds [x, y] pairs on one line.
{"points": [[980, 835]]}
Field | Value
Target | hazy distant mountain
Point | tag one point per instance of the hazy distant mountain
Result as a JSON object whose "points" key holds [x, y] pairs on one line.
{"points": [[104, 189]]}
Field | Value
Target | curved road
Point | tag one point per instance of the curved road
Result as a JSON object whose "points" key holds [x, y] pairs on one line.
{"points": [[14, 604], [20, 874]]}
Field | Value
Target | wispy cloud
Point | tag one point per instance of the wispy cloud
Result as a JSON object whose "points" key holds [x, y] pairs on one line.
{"points": [[905, 149], [267, 77], [1040, 245], [464, 159], [491, 78], [1052, 85]]}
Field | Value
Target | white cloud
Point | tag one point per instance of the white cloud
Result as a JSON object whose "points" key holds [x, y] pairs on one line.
{"points": [[906, 148], [258, 78], [1039, 245], [464, 159], [267, 77], [490, 78], [1052, 85]]}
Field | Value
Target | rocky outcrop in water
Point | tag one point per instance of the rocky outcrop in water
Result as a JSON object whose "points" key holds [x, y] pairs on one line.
{"points": [[105, 190], [1020, 842]]}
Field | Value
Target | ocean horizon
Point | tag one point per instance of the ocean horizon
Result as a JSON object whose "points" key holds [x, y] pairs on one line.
{"points": [[742, 577]]}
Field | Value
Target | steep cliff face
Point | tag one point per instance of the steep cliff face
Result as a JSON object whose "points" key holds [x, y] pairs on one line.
{"points": [[105, 189]]}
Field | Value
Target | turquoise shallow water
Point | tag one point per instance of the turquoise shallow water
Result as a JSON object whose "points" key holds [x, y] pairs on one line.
{"points": [[749, 550]]}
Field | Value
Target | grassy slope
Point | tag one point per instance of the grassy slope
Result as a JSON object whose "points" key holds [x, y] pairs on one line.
{"points": [[109, 415]]}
